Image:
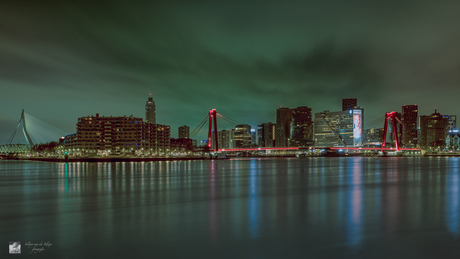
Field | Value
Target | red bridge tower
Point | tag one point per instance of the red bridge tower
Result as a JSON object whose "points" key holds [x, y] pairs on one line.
{"points": [[392, 116], [213, 117]]}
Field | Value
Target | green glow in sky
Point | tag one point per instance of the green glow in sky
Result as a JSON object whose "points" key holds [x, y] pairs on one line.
{"points": [[60, 61]]}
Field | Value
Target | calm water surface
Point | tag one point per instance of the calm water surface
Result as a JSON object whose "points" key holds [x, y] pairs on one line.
{"points": [[242, 208]]}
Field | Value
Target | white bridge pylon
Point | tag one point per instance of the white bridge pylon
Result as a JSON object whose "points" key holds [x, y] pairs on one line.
{"points": [[36, 131]]}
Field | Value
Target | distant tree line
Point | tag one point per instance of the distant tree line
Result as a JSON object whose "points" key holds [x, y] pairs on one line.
{"points": [[49, 147]]}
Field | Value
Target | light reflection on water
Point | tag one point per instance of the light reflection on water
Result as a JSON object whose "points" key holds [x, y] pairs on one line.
{"points": [[452, 205], [355, 203], [253, 200], [266, 208]]}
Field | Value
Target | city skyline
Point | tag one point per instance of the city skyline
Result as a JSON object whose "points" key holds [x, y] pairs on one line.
{"points": [[60, 61], [227, 122]]}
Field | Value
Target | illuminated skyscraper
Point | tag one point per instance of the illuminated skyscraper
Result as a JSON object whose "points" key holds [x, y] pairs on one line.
{"points": [[150, 111], [223, 136], [334, 129], [283, 126], [266, 132], [409, 121], [339, 129], [242, 136], [253, 137], [301, 127], [433, 129]]}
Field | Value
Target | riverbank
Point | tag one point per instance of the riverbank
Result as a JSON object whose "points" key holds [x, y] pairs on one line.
{"points": [[443, 155], [113, 159], [152, 159]]}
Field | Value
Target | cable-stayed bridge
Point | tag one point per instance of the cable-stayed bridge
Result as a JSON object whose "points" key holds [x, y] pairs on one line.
{"points": [[35, 131]]}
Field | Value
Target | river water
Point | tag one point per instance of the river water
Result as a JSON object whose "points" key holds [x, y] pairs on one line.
{"points": [[239, 208]]}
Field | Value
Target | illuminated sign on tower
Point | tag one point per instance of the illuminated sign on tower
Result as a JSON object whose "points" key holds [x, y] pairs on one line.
{"points": [[357, 128]]}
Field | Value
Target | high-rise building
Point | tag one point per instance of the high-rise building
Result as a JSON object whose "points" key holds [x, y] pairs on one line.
{"points": [[260, 130], [283, 126], [349, 103], [409, 123], [301, 127], [150, 111], [242, 136], [231, 139], [253, 137], [266, 133], [223, 138], [339, 129], [184, 132], [433, 129], [422, 131], [333, 129]]}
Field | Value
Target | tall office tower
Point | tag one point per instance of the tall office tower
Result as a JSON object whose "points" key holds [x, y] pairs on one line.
{"points": [[301, 127], [150, 111], [283, 126], [231, 143], [266, 132], [433, 129], [253, 137], [260, 130], [223, 138], [339, 129], [349, 103], [422, 132], [184, 132], [409, 122], [242, 136], [334, 129]]}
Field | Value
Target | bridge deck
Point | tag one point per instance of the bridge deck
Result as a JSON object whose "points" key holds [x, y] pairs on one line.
{"points": [[333, 148]]}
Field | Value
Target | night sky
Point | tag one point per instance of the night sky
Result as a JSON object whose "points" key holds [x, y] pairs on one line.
{"points": [[60, 61]]}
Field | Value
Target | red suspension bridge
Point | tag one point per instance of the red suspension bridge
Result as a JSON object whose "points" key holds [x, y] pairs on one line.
{"points": [[391, 123]]}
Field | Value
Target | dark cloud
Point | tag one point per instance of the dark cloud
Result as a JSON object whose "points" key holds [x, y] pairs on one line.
{"points": [[61, 61]]}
